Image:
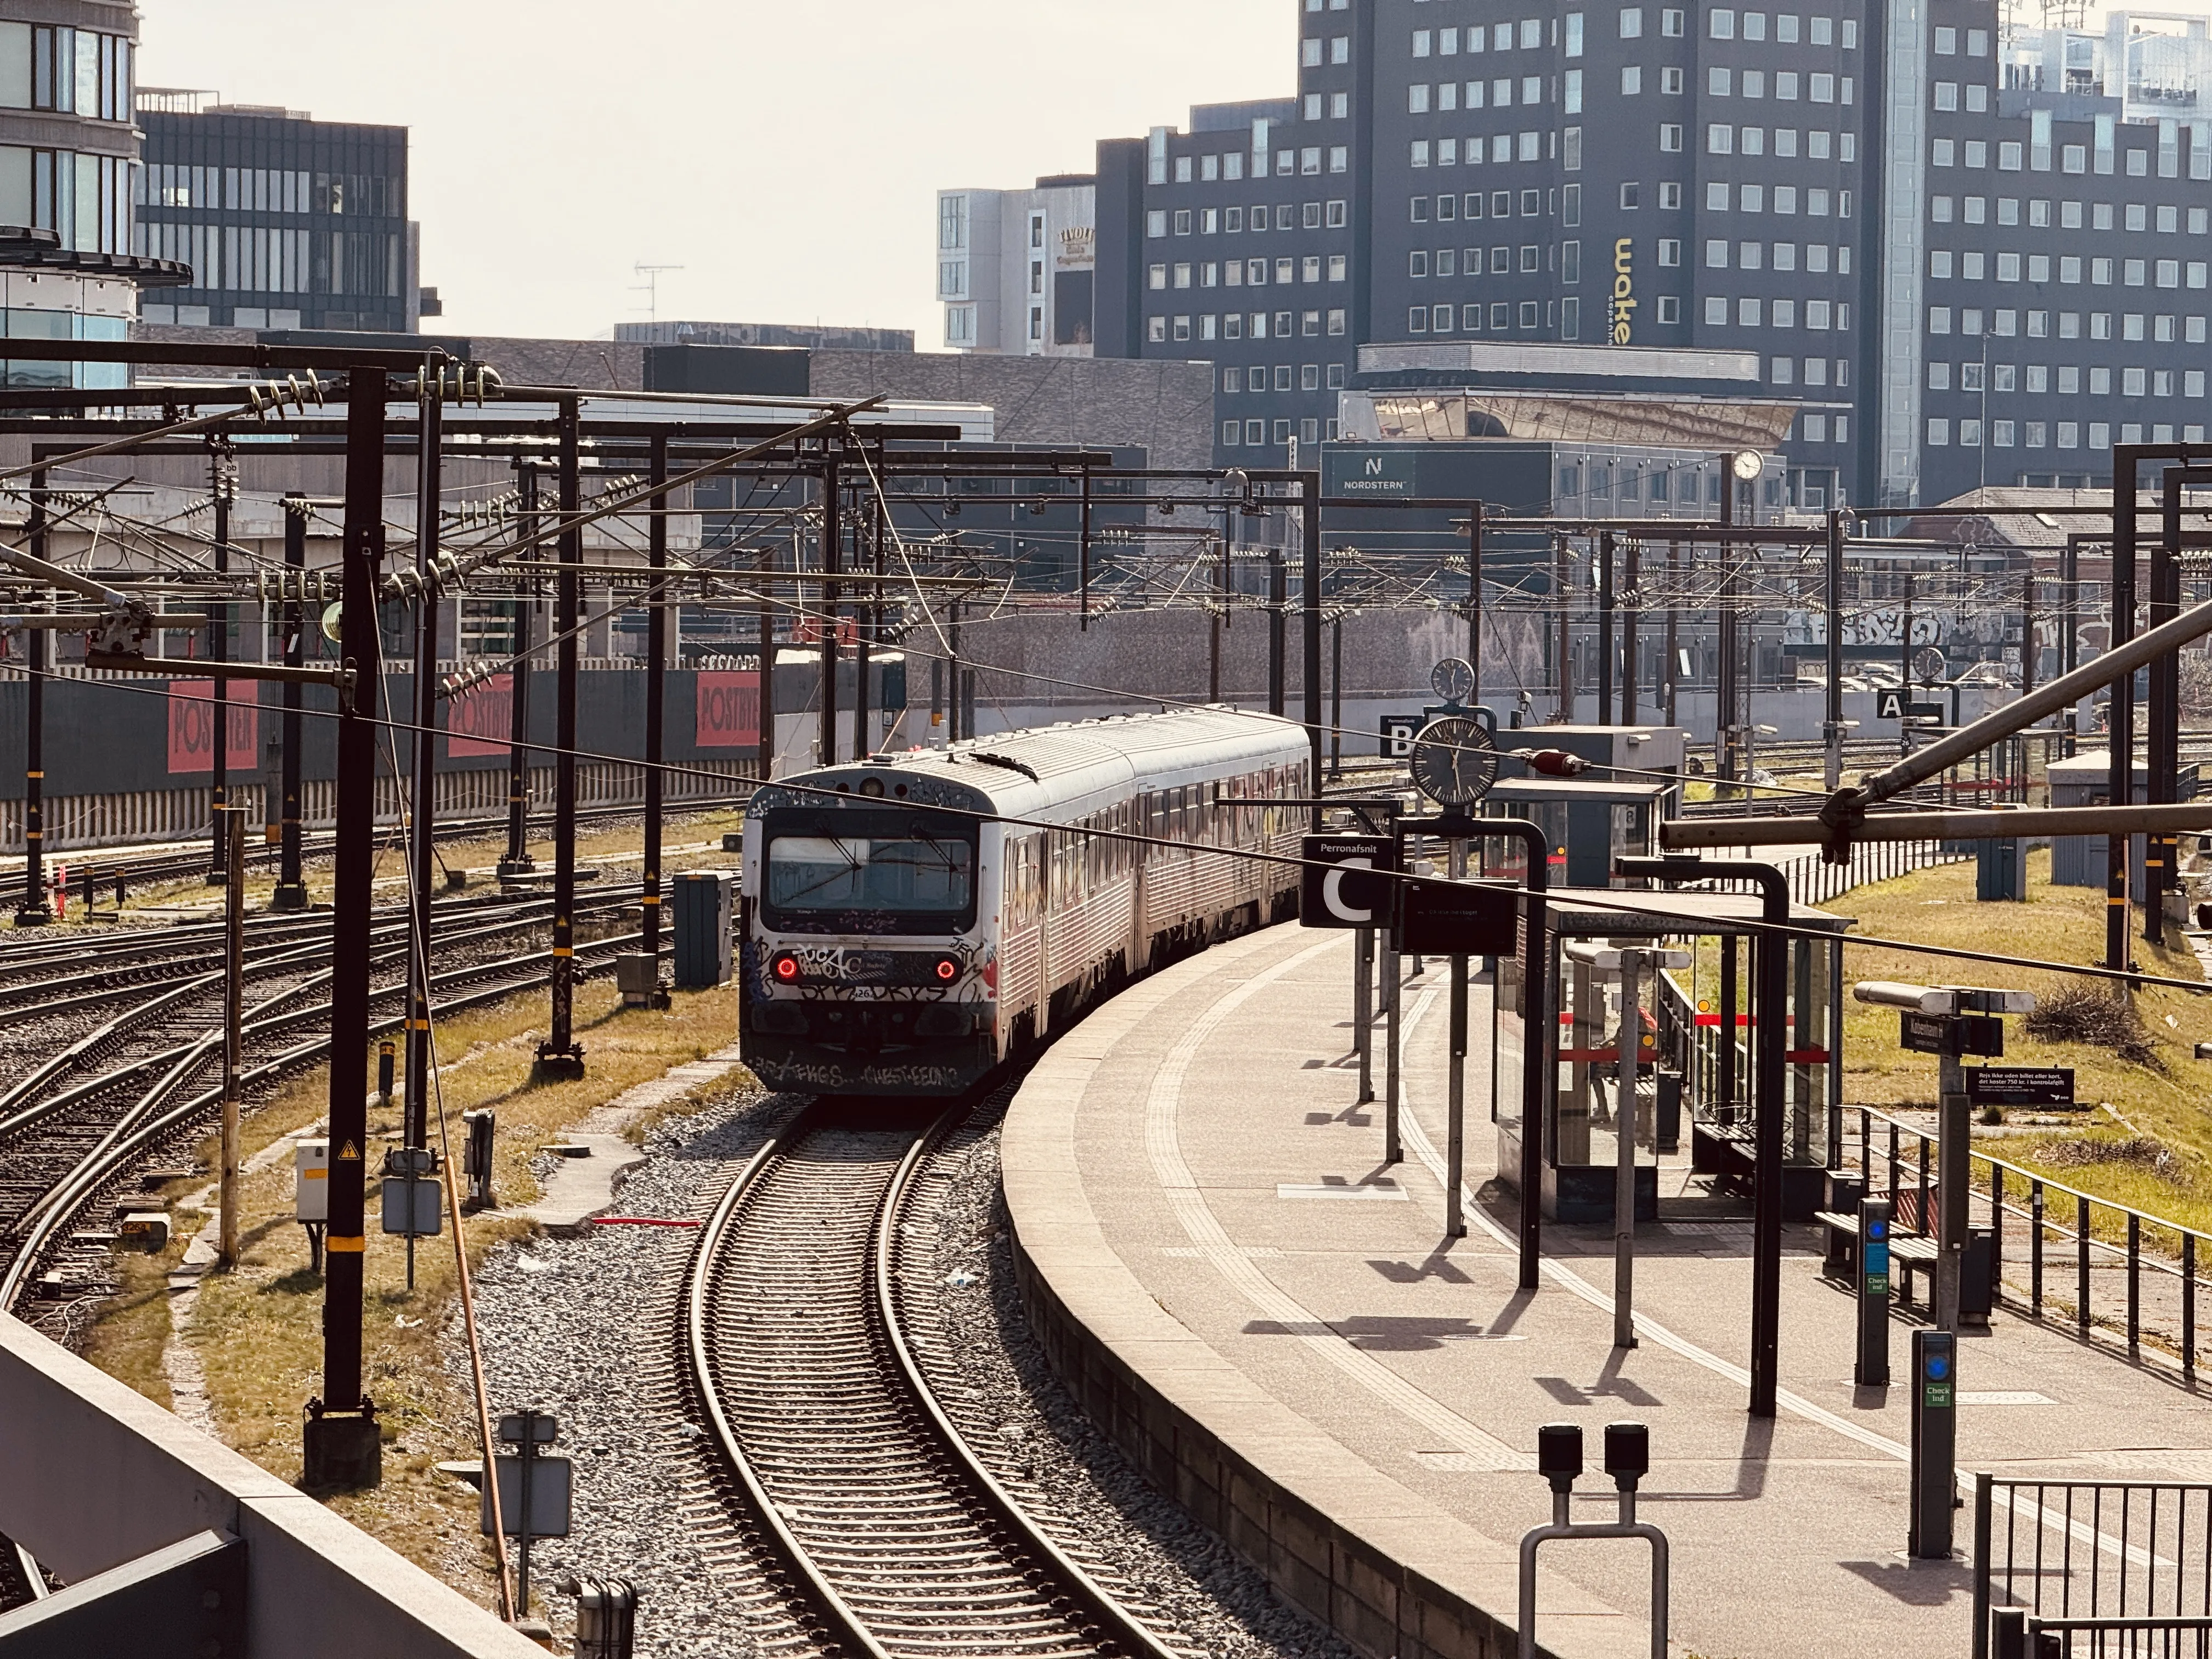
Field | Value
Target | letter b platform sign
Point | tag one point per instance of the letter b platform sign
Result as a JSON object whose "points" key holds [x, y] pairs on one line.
{"points": [[1345, 882]]}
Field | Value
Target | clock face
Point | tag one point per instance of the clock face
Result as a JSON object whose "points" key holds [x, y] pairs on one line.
{"points": [[1749, 464], [1453, 680], [1454, 762]]}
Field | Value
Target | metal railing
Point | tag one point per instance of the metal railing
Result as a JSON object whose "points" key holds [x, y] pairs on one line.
{"points": [[2117, 1569], [1814, 881], [2147, 1249]]}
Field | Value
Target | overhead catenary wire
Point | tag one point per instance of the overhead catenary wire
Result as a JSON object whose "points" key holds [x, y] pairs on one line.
{"points": [[1625, 902]]}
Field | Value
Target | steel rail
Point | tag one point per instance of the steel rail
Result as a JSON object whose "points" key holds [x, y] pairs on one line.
{"points": [[1032, 1582], [65, 1201], [1122, 1628], [832, 1615]]}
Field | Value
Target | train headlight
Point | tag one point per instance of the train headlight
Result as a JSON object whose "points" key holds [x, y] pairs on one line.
{"points": [[947, 970], [784, 967]]}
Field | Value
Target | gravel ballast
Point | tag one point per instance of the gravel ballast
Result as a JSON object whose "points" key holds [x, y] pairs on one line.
{"points": [[585, 1328]]}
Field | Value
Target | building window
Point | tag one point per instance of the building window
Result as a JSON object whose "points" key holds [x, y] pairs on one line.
{"points": [[1232, 433], [1255, 434], [1939, 432], [1156, 223], [1670, 307], [1336, 320], [1416, 321], [1155, 330], [1157, 277]]}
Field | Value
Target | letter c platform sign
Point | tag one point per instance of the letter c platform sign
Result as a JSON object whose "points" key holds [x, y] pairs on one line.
{"points": [[1345, 882]]}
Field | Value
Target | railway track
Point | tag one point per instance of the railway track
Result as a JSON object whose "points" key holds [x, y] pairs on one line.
{"points": [[881, 1531], [69, 1149], [149, 867]]}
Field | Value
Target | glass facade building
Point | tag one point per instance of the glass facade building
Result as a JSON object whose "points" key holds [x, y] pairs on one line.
{"points": [[69, 171], [1962, 251], [286, 222]]}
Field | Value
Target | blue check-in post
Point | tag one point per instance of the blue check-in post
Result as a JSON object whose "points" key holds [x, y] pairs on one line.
{"points": [[1934, 1443], [1870, 1370]]}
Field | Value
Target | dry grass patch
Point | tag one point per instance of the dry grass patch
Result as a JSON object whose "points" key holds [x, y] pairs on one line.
{"points": [[258, 1329], [2139, 1060]]}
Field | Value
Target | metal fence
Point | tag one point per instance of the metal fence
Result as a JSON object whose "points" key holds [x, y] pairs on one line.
{"points": [[2157, 1259], [2105, 1570]]}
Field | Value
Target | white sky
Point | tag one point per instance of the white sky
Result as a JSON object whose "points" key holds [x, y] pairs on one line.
{"points": [[785, 154]]}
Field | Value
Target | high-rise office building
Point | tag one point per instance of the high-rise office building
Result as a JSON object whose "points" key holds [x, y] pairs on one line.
{"points": [[1951, 251], [287, 222]]}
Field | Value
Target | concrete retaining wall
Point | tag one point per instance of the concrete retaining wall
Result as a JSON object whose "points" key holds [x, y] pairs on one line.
{"points": [[93, 1476]]}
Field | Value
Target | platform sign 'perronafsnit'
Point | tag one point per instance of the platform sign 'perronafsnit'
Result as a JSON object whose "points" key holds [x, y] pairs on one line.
{"points": [[1340, 886]]}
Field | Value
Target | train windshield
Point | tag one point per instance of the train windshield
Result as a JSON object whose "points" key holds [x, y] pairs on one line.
{"points": [[907, 879]]}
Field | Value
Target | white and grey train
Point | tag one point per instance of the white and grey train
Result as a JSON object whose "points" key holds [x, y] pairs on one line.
{"points": [[913, 921]]}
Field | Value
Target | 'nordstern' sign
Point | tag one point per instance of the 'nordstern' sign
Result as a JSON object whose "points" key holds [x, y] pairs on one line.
{"points": [[1624, 290]]}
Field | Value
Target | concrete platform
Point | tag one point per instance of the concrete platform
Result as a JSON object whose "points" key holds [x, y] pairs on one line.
{"points": [[1274, 1323]]}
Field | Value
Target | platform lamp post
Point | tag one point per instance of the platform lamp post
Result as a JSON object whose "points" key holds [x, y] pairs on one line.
{"points": [[36, 910], [1769, 1073], [340, 1441]]}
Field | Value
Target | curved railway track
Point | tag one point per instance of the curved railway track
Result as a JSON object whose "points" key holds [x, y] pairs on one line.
{"points": [[882, 1531], [318, 843], [64, 1151]]}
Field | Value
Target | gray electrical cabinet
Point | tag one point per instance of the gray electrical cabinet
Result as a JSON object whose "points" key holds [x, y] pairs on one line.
{"points": [[705, 924], [2084, 779]]}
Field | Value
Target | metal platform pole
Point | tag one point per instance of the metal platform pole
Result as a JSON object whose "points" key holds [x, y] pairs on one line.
{"points": [[234, 1048], [764, 759], [1631, 619], [221, 483], [291, 892], [35, 911], [429, 479], [1475, 601], [1310, 613], [656, 695], [1605, 549], [833, 534], [863, 618], [2122, 723], [517, 861], [1833, 727], [1279, 595], [559, 1054], [341, 1442]]}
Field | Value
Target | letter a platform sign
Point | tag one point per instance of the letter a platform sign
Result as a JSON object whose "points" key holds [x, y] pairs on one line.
{"points": [[1346, 881]]}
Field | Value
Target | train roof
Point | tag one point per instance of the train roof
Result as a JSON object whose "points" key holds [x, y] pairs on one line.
{"points": [[1063, 770]]}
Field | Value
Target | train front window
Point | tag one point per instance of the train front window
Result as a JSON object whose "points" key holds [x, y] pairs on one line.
{"points": [[914, 875]]}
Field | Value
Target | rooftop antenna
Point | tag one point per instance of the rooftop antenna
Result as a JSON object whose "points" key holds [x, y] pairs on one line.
{"points": [[650, 287]]}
